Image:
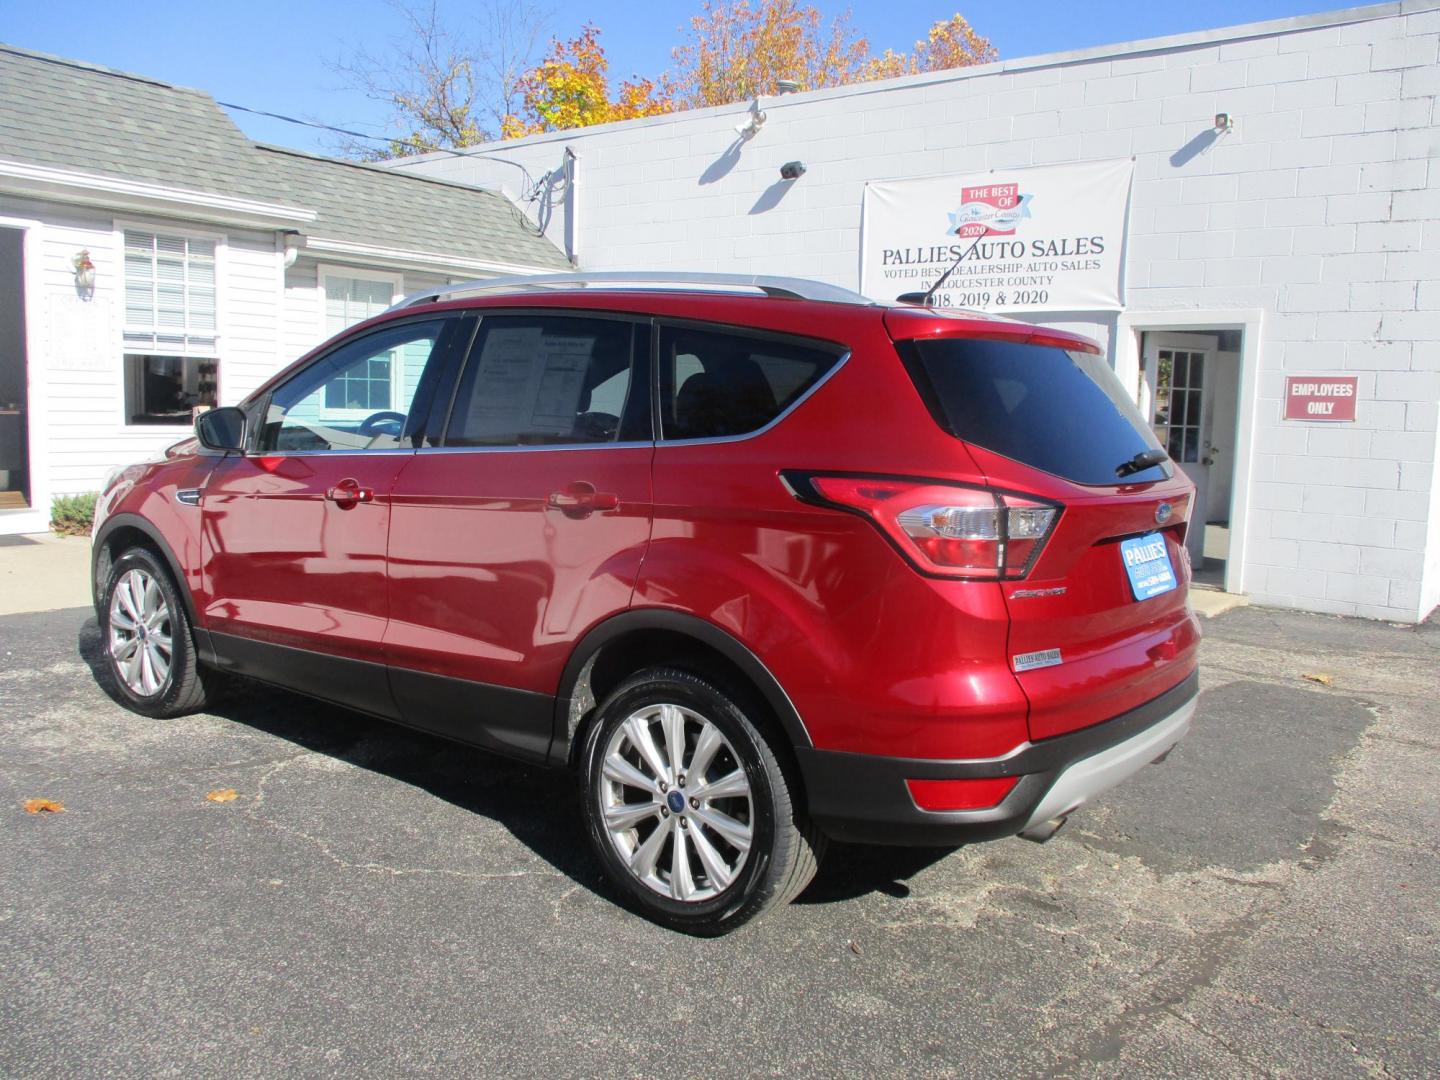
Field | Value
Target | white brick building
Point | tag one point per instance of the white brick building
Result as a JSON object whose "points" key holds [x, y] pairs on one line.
{"points": [[1304, 241]]}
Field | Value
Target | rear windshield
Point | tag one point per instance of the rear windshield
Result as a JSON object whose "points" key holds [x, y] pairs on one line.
{"points": [[1063, 412]]}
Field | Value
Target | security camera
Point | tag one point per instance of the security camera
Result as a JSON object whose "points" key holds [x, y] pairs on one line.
{"points": [[792, 170]]}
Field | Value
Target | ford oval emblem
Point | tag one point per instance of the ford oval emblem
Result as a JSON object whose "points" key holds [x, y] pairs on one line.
{"points": [[1163, 513]]}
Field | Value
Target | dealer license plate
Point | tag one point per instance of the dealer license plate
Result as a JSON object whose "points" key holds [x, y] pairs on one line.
{"points": [[1148, 563]]}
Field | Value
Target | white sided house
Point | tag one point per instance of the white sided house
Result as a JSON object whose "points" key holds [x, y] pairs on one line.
{"points": [[1248, 219], [154, 261]]}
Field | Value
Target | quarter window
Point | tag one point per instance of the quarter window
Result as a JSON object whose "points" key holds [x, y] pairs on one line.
{"points": [[719, 383], [171, 363], [538, 380], [332, 403]]}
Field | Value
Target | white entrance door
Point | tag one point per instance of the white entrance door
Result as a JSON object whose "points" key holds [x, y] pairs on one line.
{"points": [[1176, 394]]}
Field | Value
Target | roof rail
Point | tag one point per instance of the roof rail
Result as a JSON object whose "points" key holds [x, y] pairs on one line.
{"points": [[787, 288]]}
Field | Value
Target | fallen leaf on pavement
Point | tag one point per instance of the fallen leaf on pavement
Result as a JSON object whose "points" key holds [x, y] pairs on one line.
{"points": [[1320, 677], [44, 806], [222, 795]]}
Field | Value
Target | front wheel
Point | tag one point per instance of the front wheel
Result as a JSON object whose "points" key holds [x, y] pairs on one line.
{"points": [[147, 639], [688, 808]]}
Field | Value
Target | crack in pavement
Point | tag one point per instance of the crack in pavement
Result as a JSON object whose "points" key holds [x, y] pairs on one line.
{"points": [[252, 812], [1212, 950]]}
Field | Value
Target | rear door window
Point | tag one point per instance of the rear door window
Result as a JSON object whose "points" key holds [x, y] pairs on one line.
{"points": [[1059, 411], [721, 383], [547, 380]]}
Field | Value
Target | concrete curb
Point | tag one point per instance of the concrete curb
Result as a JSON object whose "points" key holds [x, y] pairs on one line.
{"points": [[1210, 603]]}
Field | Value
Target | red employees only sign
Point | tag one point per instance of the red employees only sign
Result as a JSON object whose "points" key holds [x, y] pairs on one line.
{"points": [[1319, 397]]}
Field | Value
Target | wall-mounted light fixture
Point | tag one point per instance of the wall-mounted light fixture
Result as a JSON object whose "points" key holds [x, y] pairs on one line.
{"points": [[1224, 122], [753, 122], [792, 170], [84, 274]]}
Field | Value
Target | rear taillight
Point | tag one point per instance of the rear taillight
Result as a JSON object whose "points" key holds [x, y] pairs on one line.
{"points": [[948, 529]]}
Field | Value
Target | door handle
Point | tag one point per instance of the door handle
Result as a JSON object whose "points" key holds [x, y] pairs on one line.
{"points": [[350, 491], [580, 500]]}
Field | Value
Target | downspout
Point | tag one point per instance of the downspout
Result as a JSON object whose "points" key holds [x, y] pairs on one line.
{"points": [[293, 243], [572, 208]]}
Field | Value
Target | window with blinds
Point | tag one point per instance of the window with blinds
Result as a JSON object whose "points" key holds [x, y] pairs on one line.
{"points": [[170, 306], [170, 328], [349, 300]]}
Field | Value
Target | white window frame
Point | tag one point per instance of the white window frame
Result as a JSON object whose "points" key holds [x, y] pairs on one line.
{"points": [[1129, 328], [396, 281], [119, 227], [38, 401]]}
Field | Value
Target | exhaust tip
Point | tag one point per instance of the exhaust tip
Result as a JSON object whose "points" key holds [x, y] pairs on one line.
{"points": [[1044, 830]]}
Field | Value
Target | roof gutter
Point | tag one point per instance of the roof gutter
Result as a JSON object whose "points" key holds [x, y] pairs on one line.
{"points": [[447, 265], [91, 189]]}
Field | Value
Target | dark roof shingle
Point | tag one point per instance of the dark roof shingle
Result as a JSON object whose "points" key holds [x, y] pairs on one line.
{"points": [[70, 115]]}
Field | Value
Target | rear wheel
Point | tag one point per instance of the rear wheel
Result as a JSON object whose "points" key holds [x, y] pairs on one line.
{"points": [[688, 808], [146, 635]]}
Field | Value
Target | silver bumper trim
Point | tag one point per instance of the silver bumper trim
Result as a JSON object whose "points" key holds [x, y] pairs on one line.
{"points": [[1090, 776]]}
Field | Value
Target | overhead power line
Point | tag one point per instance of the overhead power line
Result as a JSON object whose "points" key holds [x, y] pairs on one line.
{"points": [[425, 147]]}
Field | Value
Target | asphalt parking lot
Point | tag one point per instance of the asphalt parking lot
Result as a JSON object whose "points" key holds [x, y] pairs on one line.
{"points": [[375, 903]]}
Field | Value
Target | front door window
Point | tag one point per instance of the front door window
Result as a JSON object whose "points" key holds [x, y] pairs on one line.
{"points": [[356, 398]]}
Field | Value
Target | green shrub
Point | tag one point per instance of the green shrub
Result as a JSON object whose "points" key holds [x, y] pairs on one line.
{"points": [[72, 515]]}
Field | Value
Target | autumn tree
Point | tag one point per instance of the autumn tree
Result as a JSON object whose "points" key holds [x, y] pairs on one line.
{"points": [[570, 88], [447, 87], [736, 50], [454, 89], [950, 43]]}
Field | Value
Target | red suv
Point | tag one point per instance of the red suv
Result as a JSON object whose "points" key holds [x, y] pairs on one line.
{"points": [[762, 561]]}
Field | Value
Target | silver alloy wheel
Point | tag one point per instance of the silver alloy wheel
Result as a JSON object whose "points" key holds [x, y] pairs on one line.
{"points": [[676, 802], [140, 633]]}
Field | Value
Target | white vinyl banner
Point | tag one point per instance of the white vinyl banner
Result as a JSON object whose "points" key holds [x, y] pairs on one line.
{"points": [[1041, 239]]}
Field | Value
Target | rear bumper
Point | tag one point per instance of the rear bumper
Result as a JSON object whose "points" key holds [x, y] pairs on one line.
{"points": [[863, 798]]}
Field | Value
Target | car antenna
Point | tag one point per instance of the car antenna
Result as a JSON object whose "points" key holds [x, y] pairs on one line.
{"points": [[924, 298]]}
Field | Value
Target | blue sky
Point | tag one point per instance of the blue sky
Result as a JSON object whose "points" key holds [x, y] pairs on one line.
{"points": [[274, 54]]}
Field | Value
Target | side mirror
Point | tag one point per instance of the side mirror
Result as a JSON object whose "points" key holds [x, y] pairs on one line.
{"points": [[221, 429]]}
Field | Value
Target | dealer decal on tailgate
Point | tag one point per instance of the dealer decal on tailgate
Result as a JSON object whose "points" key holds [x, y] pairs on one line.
{"points": [[1148, 564], [1029, 661]]}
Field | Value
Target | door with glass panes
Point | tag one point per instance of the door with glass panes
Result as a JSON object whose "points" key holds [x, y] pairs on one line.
{"points": [[1176, 385]]}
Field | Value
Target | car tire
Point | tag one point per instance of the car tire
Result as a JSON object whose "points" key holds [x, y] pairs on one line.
{"points": [[700, 846], [146, 638]]}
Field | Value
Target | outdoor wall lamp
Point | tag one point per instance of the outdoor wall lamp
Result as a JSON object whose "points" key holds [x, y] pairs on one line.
{"points": [[84, 273], [1224, 122], [752, 123], [792, 170]]}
